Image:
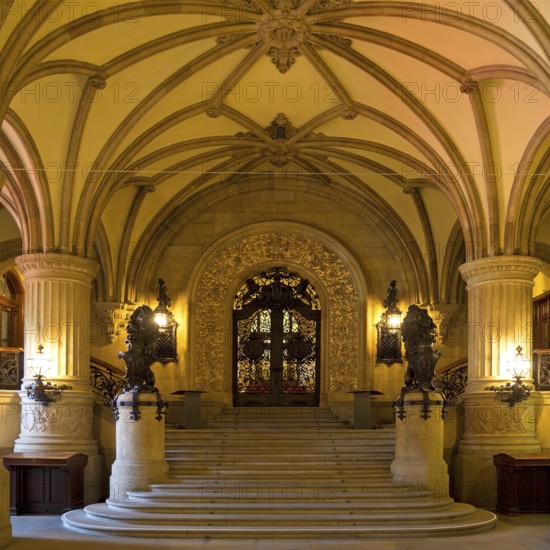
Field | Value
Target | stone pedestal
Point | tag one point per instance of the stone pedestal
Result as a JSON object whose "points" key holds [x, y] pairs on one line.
{"points": [[490, 428], [140, 448], [5, 523], [419, 447]]}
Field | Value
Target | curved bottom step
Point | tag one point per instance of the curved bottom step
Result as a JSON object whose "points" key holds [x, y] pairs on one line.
{"points": [[474, 522]]}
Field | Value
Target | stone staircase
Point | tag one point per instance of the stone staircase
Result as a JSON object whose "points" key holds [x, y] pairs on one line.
{"points": [[280, 473]]}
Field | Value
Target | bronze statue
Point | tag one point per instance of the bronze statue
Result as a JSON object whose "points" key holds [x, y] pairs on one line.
{"points": [[141, 341], [418, 332]]}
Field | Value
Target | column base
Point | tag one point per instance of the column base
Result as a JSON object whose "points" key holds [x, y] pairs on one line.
{"points": [[63, 426], [130, 477], [491, 427]]}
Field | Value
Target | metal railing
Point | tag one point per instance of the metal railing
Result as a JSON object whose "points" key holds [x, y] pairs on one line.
{"points": [[106, 380], [11, 368], [541, 369], [452, 380]]}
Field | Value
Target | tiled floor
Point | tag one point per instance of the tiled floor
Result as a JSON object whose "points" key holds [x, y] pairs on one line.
{"points": [[530, 532]]}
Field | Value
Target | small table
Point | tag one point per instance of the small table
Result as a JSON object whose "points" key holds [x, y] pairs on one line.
{"points": [[523, 483], [46, 483]]}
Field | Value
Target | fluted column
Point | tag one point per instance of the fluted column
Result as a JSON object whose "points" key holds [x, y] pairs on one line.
{"points": [[499, 319], [57, 316], [500, 314]]}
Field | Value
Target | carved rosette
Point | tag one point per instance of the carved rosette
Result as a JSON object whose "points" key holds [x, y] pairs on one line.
{"points": [[283, 31], [213, 365], [280, 153]]}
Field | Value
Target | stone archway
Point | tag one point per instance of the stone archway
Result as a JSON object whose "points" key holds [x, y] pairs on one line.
{"points": [[228, 265]]}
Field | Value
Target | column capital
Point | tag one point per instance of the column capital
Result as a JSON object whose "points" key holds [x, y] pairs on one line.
{"points": [[505, 268], [57, 264]]}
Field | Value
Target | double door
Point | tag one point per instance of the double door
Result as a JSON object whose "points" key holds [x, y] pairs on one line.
{"points": [[276, 355]]}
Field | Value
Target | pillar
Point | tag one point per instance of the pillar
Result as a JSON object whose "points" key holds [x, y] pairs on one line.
{"points": [[57, 316], [500, 317], [140, 446], [418, 462]]}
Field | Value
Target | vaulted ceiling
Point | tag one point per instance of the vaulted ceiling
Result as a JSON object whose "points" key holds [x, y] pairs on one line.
{"points": [[119, 117]]}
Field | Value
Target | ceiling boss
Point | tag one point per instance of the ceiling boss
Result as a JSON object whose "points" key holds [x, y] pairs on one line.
{"points": [[283, 30]]}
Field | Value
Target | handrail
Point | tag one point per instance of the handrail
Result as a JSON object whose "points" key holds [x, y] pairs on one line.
{"points": [[449, 366], [106, 380], [452, 380], [106, 365]]}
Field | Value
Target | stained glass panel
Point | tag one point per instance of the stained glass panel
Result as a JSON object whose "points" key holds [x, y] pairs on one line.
{"points": [[254, 353], [299, 354]]}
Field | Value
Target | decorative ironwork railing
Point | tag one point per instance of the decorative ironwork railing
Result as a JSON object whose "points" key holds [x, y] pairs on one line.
{"points": [[452, 380], [11, 368], [541, 369], [105, 379]]}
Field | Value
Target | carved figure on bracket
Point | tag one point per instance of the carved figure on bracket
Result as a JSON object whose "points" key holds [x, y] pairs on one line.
{"points": [[141, 341], [418, 332]]}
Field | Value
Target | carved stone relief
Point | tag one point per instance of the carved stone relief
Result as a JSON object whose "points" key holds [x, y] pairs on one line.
{"points": [[69, 417], [213, 318], [112, 318], [484, 418]]}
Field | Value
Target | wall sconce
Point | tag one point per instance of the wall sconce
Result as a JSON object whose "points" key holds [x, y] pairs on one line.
{"points": [[38, 390], [517, 391], [388, 348], [393, 313], [167, 343]]}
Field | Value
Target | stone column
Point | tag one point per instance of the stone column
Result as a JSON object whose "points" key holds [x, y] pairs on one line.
{"points": [[57, 316], [499, 318], [418, 462], [140, 456]]}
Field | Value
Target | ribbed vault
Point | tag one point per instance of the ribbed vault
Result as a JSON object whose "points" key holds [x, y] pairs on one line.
{"points": [[122, 120]]}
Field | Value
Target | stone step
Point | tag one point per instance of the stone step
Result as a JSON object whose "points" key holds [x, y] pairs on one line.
{"points": [[279, 432], [328, 515], [216, 500], [184, 483], [267, 477], [465, 520], [266, 460]]}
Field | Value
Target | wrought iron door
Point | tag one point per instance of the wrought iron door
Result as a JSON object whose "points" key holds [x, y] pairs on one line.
{"points": [[276, 339]]}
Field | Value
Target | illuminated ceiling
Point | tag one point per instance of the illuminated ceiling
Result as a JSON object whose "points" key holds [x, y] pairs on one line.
{"points": [[119, 115]]}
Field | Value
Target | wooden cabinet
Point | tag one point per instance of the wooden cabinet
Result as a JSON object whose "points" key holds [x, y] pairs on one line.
{"points": [[523, 483], [49, 483]]}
